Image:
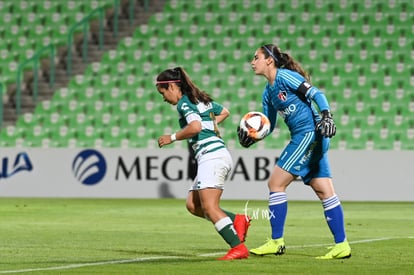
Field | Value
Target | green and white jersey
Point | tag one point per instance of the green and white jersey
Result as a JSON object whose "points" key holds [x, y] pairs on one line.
{"points": [[208, 140]]}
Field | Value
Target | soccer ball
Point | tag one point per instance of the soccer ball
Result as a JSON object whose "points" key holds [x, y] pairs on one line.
{"points": [[256, 124]]}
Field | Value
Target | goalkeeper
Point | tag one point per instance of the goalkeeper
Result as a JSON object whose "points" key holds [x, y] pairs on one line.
{"points": [[290, 94], [198, 118]]}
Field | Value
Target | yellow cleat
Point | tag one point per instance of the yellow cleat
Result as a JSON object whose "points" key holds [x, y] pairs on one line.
{"points": [[338, 251], [276, 247]]}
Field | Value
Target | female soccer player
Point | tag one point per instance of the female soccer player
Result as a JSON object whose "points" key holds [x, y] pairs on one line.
{"points": [[290, 93], [198, 119]]}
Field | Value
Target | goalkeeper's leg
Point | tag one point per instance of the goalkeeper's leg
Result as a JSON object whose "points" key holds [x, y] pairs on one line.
{"points": [[334, 217]]}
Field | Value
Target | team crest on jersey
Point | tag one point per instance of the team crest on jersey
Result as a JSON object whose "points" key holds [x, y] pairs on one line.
{"points": [[282, 96]]}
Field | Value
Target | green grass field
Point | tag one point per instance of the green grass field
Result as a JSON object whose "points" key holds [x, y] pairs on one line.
{"points": [[111, 236]]}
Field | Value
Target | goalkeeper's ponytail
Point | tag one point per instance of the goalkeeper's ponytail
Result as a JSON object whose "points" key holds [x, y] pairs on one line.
{"points": [[284, 60]]}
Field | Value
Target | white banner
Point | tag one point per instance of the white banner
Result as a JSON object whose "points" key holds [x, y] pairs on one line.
{"points": [[155, 173]]}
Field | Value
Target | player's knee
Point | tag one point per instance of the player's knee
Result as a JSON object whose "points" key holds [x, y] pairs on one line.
{"points": [[196, 211], [190, 207]]}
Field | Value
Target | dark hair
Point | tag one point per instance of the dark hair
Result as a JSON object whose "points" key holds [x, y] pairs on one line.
{"points": [[283, 60], [180, 77]]}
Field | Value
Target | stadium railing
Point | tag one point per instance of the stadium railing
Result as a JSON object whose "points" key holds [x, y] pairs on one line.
{"points": [[35, 59]]}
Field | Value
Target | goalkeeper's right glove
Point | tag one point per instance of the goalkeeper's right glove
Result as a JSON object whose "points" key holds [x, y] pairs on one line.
{"points": [[244, 139]]}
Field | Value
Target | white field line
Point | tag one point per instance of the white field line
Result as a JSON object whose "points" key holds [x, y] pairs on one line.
{"points": [[146, 259], [71, 266]]}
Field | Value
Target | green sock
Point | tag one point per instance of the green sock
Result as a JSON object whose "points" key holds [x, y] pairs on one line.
{"points": [[226, 230], [230, 214]]}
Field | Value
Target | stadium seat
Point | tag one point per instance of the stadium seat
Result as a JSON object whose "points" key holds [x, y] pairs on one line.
{"points": [[86, 136], [63, 137], [34, 136], [114, 136], [9, 135], [71, 107]]}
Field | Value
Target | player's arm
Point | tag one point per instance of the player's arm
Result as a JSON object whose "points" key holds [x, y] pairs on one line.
{"points": [[326, 125], [193, 119], [191, 129], [222, 115], [305, 89], [269, 112], [193, 124]]}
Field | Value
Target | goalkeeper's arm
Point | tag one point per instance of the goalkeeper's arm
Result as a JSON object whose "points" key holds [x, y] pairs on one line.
{"points": [[326, 125]]}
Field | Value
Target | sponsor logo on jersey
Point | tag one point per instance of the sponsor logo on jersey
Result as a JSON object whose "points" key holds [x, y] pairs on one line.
{"points": [[288, 110]]}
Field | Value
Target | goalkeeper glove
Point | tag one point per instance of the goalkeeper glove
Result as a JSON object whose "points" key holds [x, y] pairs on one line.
{"points": [[326, 125], [244, 139]]}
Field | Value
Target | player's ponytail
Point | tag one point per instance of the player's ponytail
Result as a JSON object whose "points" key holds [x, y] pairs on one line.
{"points": [[180, 77], [190, 89], [284, 60]]}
